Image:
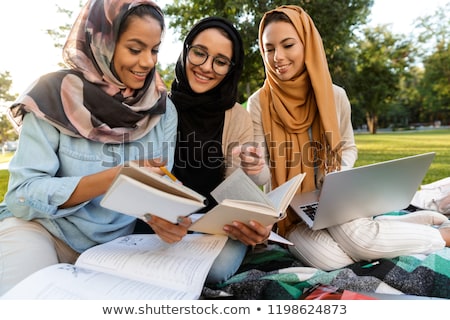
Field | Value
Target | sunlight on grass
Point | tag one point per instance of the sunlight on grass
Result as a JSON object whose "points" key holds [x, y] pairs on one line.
{"points": [[6, 156], [388, 146], [4, 174], [3, 183]]}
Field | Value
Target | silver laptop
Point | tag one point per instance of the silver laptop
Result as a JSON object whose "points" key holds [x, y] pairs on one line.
{"points": [[363, 191]]}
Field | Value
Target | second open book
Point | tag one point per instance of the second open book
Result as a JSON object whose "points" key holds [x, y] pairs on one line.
{"points": [[137, 191], [240, 199]]}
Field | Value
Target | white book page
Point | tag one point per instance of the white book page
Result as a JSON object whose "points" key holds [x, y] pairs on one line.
{"points": [[277, 238], [134, 198], [146, 176], [234, 210], [69, 282], [181, 266], [282, 195], [238, 186], [251, 206]]}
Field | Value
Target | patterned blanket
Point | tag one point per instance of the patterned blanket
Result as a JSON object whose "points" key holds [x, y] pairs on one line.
{"points": [[273, 273]]}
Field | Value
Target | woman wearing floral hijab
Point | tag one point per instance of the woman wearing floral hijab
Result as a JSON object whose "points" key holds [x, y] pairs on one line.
{"points": [[77, 127], [305, 120]]}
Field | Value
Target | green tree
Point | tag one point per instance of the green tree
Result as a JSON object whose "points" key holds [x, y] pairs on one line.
{"points": [[167, 73], [59, 34], [381, 61], [6, 129], [5, 87], [434, 29], [435, 85], [335, 20], [409, 96], [434, 37]]}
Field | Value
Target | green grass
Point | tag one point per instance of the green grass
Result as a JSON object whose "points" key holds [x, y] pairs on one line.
{"points": [[371, 149], [387, 146], [4, 175], [3, 183]]}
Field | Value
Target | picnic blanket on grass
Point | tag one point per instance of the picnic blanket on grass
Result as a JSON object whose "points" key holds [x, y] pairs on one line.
{"points": [[273, 273]]}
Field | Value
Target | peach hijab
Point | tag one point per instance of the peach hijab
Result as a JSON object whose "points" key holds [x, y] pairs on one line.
{"points": [[299, 115]]}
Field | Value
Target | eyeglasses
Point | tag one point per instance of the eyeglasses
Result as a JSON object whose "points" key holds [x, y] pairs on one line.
{"points": [[198, 56]]}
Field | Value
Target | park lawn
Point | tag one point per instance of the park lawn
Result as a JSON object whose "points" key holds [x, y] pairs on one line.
{"points": [[374, 148], [387, 146], [3, 183]]}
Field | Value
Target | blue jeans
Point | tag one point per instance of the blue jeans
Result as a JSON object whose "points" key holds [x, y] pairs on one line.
{"points": [[227, 262]]}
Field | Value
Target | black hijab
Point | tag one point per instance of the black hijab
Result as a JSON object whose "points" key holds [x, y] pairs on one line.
{"points": [[199, 161]]}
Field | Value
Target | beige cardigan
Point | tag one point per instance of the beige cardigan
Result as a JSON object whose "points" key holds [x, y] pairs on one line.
{"points": [[237, 130]]}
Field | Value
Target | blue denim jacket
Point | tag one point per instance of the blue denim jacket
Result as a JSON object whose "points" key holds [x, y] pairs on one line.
{"points": [[48, 165]]}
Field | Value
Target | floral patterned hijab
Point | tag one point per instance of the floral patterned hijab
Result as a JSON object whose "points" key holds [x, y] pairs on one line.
{"points": [[89, 100]]}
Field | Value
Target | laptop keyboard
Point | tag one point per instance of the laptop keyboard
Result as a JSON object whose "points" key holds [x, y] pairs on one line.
{"points": [[310, 210]]}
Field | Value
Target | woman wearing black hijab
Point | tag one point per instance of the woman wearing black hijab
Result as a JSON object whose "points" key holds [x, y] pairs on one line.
{"points": [[215, 133]]}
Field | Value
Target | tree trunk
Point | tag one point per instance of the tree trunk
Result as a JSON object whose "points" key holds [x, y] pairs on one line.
{"points": [[372, 121]]}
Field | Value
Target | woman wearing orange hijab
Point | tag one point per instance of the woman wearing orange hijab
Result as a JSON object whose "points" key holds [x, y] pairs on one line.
{"points": [[306, 122]]}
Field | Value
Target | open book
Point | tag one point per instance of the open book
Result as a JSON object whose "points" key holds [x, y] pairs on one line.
{"points": [[137, 191], [131, 267], [239, 198]]}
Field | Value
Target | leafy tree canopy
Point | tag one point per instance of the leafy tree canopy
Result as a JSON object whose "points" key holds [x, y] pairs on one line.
{"points": [[335, 20], [381, 61], [5, 86]]}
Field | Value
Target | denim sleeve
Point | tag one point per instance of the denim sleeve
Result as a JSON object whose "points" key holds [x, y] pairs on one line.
{"points": [[49, 164], [170, 133], [35, 190]]}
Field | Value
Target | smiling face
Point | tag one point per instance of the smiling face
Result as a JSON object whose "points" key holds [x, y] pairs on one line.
{"points": [[283, 50], [202, 78], [136, 51]]}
